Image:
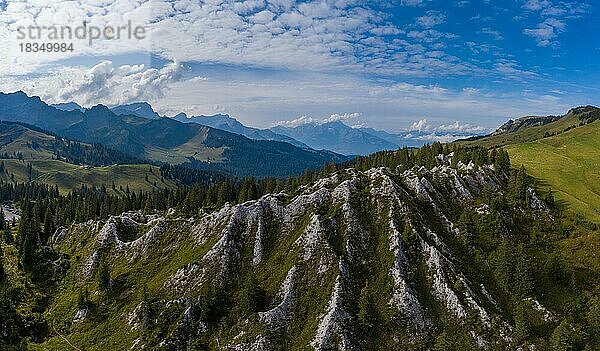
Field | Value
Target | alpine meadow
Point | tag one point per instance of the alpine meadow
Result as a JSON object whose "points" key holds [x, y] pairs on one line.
{"points": [[299, 175]]}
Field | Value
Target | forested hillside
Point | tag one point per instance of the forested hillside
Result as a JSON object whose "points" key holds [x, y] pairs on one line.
{"points": [[442, 248]]}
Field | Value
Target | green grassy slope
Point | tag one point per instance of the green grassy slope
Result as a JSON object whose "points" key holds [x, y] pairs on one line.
{"points": [[569, 163], [525, 135], [68, 176], [16, 139]]}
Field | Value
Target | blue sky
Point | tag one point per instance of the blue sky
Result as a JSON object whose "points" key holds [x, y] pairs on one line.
{"points": [[389, 65]]}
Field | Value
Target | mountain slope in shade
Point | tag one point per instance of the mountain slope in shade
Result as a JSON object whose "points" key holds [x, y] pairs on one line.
{"points": [[140, 109], [167, 140], [338, 137], [18, 107], [68, 106], [412, 138], [230, 124], [358, 260]]}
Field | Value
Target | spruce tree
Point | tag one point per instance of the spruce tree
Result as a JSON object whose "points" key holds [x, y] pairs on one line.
{"points": [[2, 219], [523, 281], [103, 275], [2, 272], [252, 296], [48, 225], [564, 337], [367, 312], [7, 235], [593, 319]]}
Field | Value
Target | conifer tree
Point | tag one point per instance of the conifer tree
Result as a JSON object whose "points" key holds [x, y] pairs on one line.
{"points": [[7, 234], [2, 272], [367, 312], [252, 296], [103, 276], [49, 227], [523, 280], [2, 219], [593, 319], [564, 337]]}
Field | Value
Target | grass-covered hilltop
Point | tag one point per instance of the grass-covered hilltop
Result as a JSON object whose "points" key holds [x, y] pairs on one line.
{"points": [[562, 152], [484, 244]]}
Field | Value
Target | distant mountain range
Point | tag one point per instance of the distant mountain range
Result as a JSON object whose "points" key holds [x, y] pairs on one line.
{"points": [[164, 139], [405, 138], [230, 124], [140, 109], [338, 137], [68, 106], [334, 136]]}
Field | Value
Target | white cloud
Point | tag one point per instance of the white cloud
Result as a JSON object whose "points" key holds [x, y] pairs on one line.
{"points": [[411, 2], [430, 35], [493, 33], [460, 127], [546, 31], [549, 12], [263, 17], [312, 35], [421, 125], [442, 138], [510, 70], [345, 117], [302, 120], [470, 91], [103, 83], [431, 19], [556, 8], [425, 131], [341, 36], [536, 5]]}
